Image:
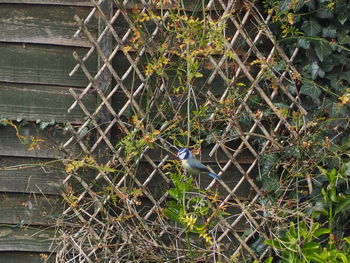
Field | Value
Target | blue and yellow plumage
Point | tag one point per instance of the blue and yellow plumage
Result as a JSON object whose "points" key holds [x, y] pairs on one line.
{"points": [[192, 165]]}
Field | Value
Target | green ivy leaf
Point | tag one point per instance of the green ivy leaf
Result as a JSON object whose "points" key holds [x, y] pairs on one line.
{"points": [[325, 13], [311, 5], [342, 18], [311, 28], [302, 42], [345, 75], [314, 70], [323, 49], [343, 37], [347, 169], [330, 32], [310, 89], [283, 5], [83, 132]]}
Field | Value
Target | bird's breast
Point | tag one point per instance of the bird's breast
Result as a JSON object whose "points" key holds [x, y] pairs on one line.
{"points": [[185, 164], [188, 167]]}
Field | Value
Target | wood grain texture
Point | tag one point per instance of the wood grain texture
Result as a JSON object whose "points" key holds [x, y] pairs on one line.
{"points": [[28, 209], [45, 103], [42, 64], [49, 2], [50, 65], [42, 24], [132, 4], [30, 175], [25, 257], [55, 25], [11, 145], [16, 238]]}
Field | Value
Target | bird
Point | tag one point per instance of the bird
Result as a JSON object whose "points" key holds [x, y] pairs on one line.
{"points": [[192, 165]]}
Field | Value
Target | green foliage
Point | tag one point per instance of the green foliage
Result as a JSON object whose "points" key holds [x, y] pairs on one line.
{"points": [[44, 124], [335, 201], [310, 175], [301, 244], [310, 242], [196, 210], [188, 38]]}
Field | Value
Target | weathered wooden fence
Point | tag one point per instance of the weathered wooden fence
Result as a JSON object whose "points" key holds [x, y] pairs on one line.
{"points": [[36, 47], [108, 95]]}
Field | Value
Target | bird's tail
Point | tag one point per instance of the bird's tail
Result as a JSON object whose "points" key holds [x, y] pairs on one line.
{"points": [[215, 176]]}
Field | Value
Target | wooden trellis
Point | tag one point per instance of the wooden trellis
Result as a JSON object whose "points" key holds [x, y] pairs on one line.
{"points": [[89, 231]]}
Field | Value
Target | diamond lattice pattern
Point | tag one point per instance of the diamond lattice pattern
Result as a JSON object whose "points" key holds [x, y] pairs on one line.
{"points": [[115, 211]]}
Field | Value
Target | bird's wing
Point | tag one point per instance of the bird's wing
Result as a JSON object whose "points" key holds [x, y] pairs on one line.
{"points": [[198, 165]]}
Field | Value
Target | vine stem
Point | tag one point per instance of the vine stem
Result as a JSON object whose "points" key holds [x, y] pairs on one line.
{"points": [[188, 84]]}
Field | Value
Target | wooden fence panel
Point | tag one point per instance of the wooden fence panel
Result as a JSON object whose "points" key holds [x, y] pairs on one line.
{"points": [[40, 64], [30, 175], [46, 143], [49, 2], [40, 102], [31, 239], [29, 209], [35, 60], [20, 257], [41, 24]]}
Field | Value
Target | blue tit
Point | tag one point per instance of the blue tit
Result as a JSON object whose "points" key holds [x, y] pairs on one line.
{"points": [[192, 165]]}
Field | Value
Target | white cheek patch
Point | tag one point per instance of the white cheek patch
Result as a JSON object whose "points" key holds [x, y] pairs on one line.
{"points": [[182, 155]]}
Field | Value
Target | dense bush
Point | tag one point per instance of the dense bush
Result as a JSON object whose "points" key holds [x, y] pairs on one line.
{"points": [[310, 178]]}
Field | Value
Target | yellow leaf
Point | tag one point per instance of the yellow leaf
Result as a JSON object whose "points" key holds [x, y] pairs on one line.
{"points": [[69, 167], [198, 75], [156, 132], [126, 48], [290, 18], [345, 99]]}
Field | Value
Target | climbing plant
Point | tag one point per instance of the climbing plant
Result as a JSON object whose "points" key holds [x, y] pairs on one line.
{"points": [[309, 179], [266, 93]]}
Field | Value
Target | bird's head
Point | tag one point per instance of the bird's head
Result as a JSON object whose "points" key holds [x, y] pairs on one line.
{"points": [[184, 153]]}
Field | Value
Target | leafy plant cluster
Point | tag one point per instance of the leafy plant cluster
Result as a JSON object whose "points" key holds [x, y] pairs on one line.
{"points": [[177, 58], [196, 210], [310, 179], [317, 234]]}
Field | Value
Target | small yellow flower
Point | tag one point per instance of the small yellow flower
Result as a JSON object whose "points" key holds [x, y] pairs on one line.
{"points": [[189, 221], [208, 239], [345, 99]]}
